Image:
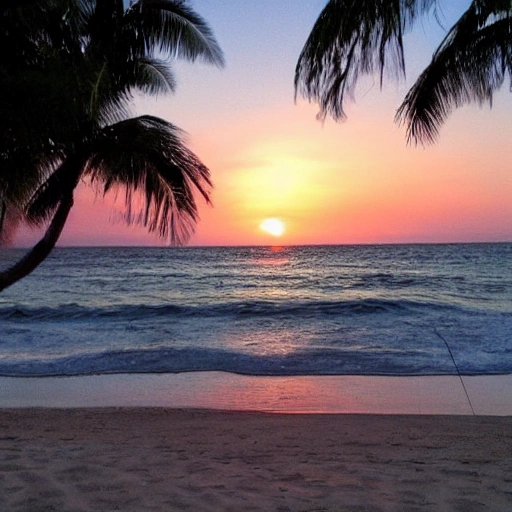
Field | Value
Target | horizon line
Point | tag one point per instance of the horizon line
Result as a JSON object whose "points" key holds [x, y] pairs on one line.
{"points": [[205, 246]]}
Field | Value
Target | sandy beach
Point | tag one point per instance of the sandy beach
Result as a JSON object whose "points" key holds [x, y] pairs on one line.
{"points": [[158, 459]]}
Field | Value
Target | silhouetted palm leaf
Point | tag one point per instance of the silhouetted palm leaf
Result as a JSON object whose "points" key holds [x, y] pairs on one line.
{"points": [[470, 66], [170, 27], [350, 39], [153, 77], [146, 155], [134, 44]]}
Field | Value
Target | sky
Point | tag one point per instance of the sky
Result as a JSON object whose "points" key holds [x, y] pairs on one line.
{"points": [[329, 183]]}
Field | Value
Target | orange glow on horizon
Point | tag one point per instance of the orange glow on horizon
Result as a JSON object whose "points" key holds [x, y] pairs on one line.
{"points": [[353, 183]]}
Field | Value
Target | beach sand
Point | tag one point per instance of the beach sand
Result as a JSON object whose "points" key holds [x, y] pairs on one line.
{"points": [[159, 459]]}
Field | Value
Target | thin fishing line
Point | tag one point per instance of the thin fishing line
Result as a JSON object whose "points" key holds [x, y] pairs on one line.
{"points": [[458, 372]]}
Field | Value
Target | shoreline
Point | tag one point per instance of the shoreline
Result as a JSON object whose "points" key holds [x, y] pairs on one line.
{"points": [[490, 395], [214, 441]]}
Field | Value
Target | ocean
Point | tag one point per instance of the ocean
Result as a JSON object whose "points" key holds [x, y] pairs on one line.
{"points": [[302, 310]]}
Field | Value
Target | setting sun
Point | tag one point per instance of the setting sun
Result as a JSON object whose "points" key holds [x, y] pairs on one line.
{"points": [[275, 227]]}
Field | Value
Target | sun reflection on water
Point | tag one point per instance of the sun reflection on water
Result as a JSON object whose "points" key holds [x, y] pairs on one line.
{"points": [[274, 256]]}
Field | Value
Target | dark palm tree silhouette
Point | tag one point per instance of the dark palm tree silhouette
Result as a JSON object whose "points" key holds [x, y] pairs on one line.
{"points": [[69, 68], [351, 38]]}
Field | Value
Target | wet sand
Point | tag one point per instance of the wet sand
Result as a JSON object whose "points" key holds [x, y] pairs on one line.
{"points": [[490, 395]]}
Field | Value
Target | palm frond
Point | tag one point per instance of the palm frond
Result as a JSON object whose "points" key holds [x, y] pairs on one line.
{"points": [[469, 66], [351, 39], [22, 174], [46, 198], [59, 183], [153, 76], [114, 104], [171, 27], [146, 156]]}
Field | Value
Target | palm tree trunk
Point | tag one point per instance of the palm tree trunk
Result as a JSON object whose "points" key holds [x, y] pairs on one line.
{"points": [[42, 249]]}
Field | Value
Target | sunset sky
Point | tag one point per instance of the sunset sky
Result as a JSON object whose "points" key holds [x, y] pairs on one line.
{"points": [[332, 183]]}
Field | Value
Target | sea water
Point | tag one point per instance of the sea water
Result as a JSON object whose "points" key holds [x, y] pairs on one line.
{"points": [[308, 310]]}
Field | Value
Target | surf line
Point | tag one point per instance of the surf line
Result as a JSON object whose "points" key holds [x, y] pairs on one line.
{"points": [[457, 368]]}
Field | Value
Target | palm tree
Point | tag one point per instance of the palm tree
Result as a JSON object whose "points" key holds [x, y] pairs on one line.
{"points": [[80, 62], [39, 111], [350, 39]]}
